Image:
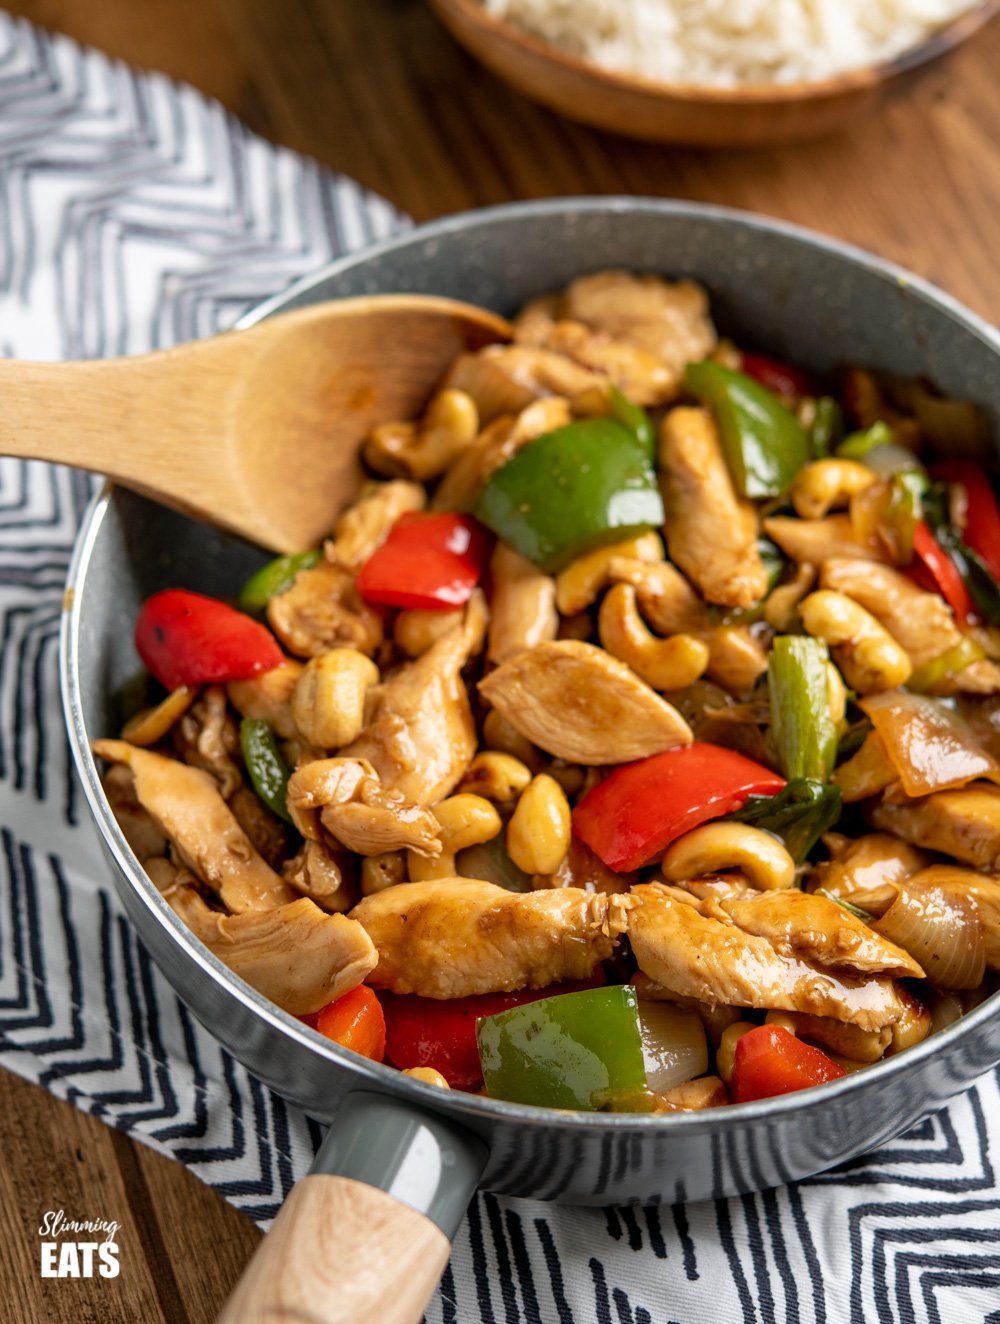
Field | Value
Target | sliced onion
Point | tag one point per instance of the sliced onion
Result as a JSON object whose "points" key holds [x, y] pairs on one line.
{"points": [[966, 884], [491, 864], [941, 930], [891, 458], [931, 748], [673, 1045]]}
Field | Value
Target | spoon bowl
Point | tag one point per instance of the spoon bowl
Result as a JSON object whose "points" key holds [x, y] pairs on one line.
{"points": [[254, 431]]}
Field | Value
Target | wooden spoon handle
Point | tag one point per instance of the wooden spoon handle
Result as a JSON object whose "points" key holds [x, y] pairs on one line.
{"points": [[341, 1252], [148, 422]]}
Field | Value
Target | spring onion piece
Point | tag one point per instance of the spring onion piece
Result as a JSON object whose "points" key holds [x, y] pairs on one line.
{"points": [[799, 814], [931, 674], [827, 427], [856, 911], [571, 490], [802, 728], [274, 578], [268, 771], [491, 863], [578, 1050], [765, 445], [857, 445]]}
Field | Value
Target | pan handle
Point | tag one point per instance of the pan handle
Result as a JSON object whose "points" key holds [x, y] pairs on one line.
{"points": [[365, 1237]]}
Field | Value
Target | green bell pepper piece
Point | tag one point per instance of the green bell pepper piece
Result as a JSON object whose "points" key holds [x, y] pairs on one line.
{"points": [[267, 769], [571, 490], [858, 444], [765, 445], [574, 1050], [272, 579], [635, 418], [802, 728], [799, 814]]}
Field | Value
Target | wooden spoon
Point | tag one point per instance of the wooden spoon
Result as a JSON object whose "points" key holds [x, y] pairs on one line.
{"points": [[256, 431]]}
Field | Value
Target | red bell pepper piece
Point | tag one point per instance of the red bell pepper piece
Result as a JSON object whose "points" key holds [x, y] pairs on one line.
{"points": [[982, 517], [769, 1060], [935, 570], [355, 1020], [633, 815], [430, 561], [430, 1032], [780, 378], [185, 638]]}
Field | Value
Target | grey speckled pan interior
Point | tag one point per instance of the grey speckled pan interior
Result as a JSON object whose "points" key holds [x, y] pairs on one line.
{"points": [[783, 290]]}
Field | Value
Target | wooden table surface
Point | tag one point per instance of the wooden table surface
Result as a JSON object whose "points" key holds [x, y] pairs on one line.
{"points": [[376, 89]]}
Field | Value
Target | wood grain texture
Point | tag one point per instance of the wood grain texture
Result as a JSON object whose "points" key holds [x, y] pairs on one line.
{"points": [[341, 1252], [56, 1158], [379, 90]]}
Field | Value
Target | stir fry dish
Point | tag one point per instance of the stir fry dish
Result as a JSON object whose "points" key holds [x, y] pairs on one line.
{"points": [[633, 743]]}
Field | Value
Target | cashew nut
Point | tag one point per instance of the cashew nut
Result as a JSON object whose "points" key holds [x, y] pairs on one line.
{"points": [[152, 724], [665, 664], [416, 628], [538, 834], [379, 872], [328, 705], [499, 734], [826, 485], [837, 694], [725, 1054], [579, 584], [495, 776], [736, 658], [866, 653], [466, 820], [428, 1075], [665, 597], [716, 846], [782, 603], [425, 449]]}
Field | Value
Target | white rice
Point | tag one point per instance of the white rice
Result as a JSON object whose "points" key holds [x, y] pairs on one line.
{"points": [[728, 42]]}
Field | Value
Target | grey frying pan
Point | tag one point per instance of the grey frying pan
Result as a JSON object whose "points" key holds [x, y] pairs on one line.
{"points": [[795, 294]]}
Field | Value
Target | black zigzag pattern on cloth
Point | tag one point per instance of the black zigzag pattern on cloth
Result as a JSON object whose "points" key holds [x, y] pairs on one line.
{"points": [[134, 213]]}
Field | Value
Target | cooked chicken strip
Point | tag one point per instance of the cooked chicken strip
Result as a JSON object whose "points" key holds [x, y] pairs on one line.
{"points": [[456, 936], [296, 955], [364, 525], [818, 540], [141, 833], [704, 957], [268, 697], [522, 605], [963, 823], [208, 738], [669, 320], [921, 622], [504, 379], [316, 872], [817, 930], [323, 610], [642, 377], [346, 797], [421, 735], [711, 531], [186, 805], [577, 702]]}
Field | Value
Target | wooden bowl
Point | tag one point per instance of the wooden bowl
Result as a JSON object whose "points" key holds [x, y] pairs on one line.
{"points": [[751, 116]]}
